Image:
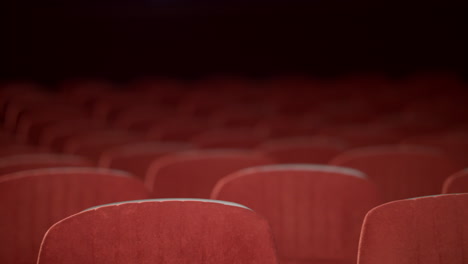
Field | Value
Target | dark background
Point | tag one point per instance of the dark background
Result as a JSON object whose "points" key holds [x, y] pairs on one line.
{"points": [[52, 40]]}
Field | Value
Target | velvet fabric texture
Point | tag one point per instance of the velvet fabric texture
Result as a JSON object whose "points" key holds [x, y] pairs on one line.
{"points": [[32, 201], [16, 163], [318, 150], [400, 171], [229, 138], [137, 158], [457, 183], [315, 211], [193, 174], [429, 230], [165, 232]]}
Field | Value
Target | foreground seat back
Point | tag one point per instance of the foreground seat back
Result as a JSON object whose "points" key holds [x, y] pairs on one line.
{"points": [[315, 211], [32, 201], [429, 230], [161, 231]]}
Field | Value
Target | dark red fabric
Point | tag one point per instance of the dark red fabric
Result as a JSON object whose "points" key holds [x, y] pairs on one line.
{"points": [[315, 212], [32, 201], [457, 183], [429, 230], [193, 174], [453, 143], [137, 158], [229, 138], [50, 133], [23, 162], [169, 232], [401, 171], [93, 145], [303, 149], [16, 149]]}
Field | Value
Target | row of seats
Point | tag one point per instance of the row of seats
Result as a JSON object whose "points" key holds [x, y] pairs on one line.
{"points": [[311, 158]]}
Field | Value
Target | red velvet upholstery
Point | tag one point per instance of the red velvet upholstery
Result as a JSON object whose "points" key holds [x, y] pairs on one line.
{"points": [[193, 174], [31, 124], [177, 130], [303, 149], [315, 211], [52, 133], [229, 138], [16, 149], [400, 171], [453, 143], [457, 183], [17, 163], [429, 230], [32, 201], [137, 158], [169, 232]]}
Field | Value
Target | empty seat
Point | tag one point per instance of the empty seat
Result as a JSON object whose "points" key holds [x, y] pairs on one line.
{"points": [[182, 129], [193, 174], [315, 211], [137, 158], [32, 201], [15, 149], [318, 149], [429, 230], [93, 144], [21, 162], [453, 143], [161, 231], [230, 138], [55, 136], [400, 171], [457, 183]]}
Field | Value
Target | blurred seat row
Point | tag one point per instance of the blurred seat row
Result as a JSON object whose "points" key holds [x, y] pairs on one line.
{"points": [[314, 171]]}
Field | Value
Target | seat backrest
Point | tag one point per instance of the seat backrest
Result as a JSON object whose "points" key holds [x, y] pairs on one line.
{"points": [[457, 183], [193, 174], [137, 158], [453, 143], [315, 211], [32, 201], [229, 138], [318, 150], [21, 162], [429, 230], [400, 171], [161, 231]]}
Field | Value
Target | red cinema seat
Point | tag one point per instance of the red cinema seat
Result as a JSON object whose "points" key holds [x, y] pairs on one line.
{"points": [[454, 144], [229, 138], [362, 136], [315, 211], [94, 144], [140, 117], [193, 174], [429, 230], [137, 158], [161, 231], [54, 136], [32, 201], [317, 149], [22, 162], [180, 129], [30, 126], [400, 171], [15, 149], [457, 183]]}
